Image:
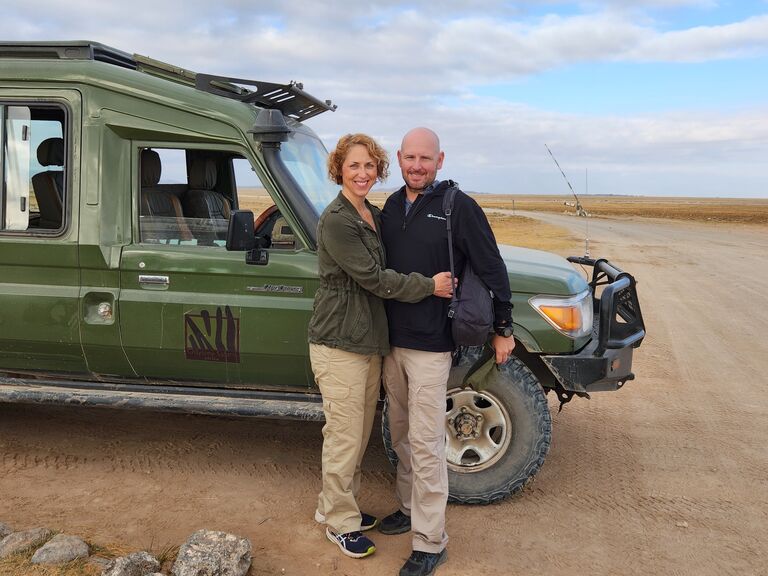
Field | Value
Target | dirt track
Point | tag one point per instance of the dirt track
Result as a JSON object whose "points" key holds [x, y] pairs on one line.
{"points": [[666, 476]]}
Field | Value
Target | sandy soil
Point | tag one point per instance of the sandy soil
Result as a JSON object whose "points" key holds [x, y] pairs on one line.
{"points": [[667, 476]]}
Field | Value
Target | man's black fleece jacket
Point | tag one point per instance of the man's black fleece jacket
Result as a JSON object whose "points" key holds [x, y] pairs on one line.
{"points": [[418, 242]]}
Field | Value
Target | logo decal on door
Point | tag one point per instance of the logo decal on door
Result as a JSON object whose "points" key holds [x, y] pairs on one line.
{"points": [[212, 335]]}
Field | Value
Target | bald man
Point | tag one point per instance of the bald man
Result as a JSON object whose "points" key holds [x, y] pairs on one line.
{"points": [[416, 371]]}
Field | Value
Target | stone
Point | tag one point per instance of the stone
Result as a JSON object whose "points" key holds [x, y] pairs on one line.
{"points": [[20, 541], [211, 553], [5, 530], [136, 564], [60, 549]]}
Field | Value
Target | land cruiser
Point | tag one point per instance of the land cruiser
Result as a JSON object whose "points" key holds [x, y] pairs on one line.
{"points": [[133, 275]]}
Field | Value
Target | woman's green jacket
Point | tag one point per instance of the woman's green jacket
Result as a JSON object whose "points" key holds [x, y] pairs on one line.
{"points": [[348, 311]]}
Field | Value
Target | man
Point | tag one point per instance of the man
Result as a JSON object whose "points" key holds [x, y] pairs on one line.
{"points": [[416, 371]]}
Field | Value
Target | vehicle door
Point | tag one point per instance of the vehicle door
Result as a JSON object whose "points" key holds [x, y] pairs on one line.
{"points": [[192, 312], [39, 275]]}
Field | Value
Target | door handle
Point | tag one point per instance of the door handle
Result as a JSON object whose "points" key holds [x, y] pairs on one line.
{"points": [[154, 281]]}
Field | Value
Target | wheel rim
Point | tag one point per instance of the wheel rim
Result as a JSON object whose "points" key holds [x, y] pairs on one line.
{"points": [[478, 430]]}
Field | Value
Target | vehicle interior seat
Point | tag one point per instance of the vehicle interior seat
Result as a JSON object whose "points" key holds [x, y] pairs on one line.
{"points": [[159, 203], [48, 186], [202, 200]]}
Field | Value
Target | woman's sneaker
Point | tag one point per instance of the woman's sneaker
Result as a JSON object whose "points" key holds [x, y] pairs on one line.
{"points": [[366, 522], [353, 544]]}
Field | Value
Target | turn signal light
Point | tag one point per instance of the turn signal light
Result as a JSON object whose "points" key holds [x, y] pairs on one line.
{"points": [[571, 315], [567, 319]]}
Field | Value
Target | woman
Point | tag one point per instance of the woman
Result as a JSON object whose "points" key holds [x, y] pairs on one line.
{"points": [[348, 332]]}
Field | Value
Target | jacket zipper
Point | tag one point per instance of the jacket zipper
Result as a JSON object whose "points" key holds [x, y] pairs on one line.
{"points": [[414, 209]]}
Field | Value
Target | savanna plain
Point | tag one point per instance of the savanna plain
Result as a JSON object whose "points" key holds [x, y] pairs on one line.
{"points": [[668, 475]]}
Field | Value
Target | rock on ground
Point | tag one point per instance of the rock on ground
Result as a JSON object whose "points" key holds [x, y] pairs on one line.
{"points": [[210, 553], [18, 541], [59, 549], [5, 530], [99, 563], [136, 564]]}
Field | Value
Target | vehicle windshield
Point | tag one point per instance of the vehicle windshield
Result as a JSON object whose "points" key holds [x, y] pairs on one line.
{"points": [[305, 157]]}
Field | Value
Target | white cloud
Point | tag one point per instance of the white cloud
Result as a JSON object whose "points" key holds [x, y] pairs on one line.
{"points": [[391, 66], [746, 38]]}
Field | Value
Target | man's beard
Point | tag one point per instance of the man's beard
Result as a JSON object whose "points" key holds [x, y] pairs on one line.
{"points": [[421, 188]]}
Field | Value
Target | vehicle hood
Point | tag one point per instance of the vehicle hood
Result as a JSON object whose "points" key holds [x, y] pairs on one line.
{"points": [[538, 272]]}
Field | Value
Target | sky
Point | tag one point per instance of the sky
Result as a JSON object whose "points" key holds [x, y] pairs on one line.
{"points": [[646, 97]]}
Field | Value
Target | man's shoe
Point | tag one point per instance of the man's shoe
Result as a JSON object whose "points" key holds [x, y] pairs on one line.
{"points": [[423, 563], [353, 544], [366, 522], [395, 523]]}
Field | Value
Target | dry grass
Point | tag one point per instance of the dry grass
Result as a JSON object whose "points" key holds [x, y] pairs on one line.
{"points": [[254, 199], [519, 230], [526, 232], [714, 210], [530, 233], [21, 564]]}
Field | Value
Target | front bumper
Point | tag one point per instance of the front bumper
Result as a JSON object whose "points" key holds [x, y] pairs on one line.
{"points": [[606, 362]]}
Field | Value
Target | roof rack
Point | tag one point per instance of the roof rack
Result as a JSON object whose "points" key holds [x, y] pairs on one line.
{"points": [[75, 50], [290, 98]]}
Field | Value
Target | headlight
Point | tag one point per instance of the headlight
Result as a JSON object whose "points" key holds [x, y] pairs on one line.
{"points": [[570, 315]]}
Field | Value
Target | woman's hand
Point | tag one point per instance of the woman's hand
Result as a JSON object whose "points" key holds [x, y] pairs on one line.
{"points": [[443, 284]]}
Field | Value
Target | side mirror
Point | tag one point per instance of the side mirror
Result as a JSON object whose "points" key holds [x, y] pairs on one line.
{"points": [[240, 233], [240, 236]]}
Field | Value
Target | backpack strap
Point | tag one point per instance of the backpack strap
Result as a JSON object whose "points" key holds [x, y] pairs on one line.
{"points": [[450, 194]]}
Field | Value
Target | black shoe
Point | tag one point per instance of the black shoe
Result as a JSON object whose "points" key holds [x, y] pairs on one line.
{"points": [[366, 520], [423, 563], [353, 544], [395, 523]]}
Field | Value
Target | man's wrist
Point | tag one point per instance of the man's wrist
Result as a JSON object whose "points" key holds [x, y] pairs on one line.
{"points": [[505, 331], [502, 325]]}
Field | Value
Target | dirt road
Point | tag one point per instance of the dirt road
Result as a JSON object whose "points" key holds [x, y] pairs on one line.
{"points": [[666, 476]]}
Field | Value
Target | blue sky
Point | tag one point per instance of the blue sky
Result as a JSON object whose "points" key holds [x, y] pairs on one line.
{"points": [[652, 97]]}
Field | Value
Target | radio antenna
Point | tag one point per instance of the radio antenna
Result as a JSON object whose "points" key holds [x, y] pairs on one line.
{"points": [[579, 208]]}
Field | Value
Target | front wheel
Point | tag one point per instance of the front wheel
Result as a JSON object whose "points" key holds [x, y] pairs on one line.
{"points": [[496, 439]]}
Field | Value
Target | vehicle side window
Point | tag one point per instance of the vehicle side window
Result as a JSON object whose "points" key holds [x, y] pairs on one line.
{"points": [[187, 195], [33, 164], [269, 224]]}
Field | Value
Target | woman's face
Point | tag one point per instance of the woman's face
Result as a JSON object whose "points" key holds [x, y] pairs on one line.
{"points": [[358, 172]]}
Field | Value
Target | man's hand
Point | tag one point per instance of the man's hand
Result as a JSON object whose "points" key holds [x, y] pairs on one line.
{"points": [[443, 285], [503, 347]]}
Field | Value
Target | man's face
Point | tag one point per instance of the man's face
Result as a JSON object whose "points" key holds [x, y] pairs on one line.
{"points": [[420, 158]]}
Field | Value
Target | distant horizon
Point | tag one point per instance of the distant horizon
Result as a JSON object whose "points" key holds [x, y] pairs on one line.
{"points": [[262, 190]]}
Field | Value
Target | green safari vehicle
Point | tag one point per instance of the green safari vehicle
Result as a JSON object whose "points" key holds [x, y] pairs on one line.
{"points": [[134, 275]]}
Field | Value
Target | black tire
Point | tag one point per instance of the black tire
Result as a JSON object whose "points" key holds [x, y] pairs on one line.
{"points": [[509, 454]]}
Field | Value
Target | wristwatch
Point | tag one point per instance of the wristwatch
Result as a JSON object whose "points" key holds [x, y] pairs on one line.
{"points": [[504, 331]]}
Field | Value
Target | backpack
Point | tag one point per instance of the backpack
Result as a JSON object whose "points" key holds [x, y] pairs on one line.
{"points": [[471, 307]]}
